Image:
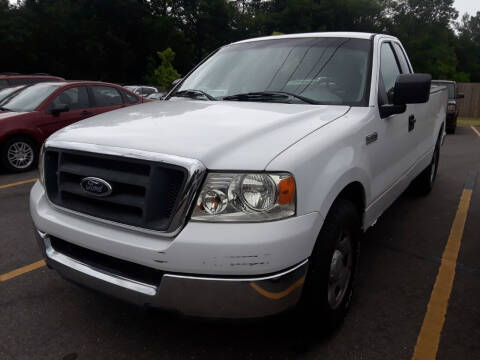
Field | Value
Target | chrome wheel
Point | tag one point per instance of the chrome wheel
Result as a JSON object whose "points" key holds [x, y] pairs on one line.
{"points": [[20, 155], [340, 270]]}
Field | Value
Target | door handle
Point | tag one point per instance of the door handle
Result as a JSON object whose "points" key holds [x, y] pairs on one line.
{"points": [[411, 122]]}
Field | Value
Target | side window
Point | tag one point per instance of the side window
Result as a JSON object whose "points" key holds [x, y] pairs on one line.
{"points": [[402, 59], [106, 96], [147, 91], [389, 70], [130, 98], [76, 98]]}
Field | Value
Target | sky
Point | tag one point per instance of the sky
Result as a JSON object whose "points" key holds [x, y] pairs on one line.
{"points": [[470, 6]]}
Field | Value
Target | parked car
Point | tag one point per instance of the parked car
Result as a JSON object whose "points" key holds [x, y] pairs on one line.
{"points": [[9, 91], [245, 192], [35, 112], [156, 96], [142, 90], [12, 79], [452, 108]]}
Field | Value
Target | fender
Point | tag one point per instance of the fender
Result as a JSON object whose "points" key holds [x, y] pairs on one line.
{"points": [[34, 134], [351, 176]]}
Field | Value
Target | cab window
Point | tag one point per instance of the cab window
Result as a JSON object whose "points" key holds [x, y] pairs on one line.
{"points": [[402, 59], [389, 71]]}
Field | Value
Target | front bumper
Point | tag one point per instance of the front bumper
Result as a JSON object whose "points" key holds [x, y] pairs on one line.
{"points": [[222, 297]]}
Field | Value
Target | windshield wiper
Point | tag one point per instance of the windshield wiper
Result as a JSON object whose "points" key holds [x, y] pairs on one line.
{"points": [[268, 95], [193, 94], [4, 109]]}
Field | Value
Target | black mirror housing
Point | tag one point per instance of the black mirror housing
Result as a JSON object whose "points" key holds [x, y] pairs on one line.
{"points": [[59, 109], [412, 89]]}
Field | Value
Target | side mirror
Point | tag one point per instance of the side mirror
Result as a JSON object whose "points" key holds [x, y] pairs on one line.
{"points": [[57, 109], [460, 95], [409, 89], [176, 81]]}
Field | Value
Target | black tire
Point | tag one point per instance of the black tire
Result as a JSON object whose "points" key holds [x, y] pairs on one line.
{"points": [[451, 130], [19, 142], [423, 184], [317, 300]]}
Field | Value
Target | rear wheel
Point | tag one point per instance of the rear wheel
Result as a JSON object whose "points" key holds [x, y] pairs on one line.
{"points": [[424, 182], [329, 283], [19, 154]]}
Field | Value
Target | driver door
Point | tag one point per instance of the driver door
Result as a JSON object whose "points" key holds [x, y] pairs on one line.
{"points": [[391, 145], [78, 102]]}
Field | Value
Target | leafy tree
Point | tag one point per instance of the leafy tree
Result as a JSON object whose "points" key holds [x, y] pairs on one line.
{"points": [[117, 40], [165, 73], [424, 28], [468, 47]]}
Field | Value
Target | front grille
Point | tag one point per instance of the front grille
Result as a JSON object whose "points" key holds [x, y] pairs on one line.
{"points": [[107, 263], [144, 193]]}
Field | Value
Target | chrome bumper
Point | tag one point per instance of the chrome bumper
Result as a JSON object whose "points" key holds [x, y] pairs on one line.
{"points": [[231, 297]]}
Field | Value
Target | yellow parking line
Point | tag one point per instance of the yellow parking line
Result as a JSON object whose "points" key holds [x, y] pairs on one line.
{"points": [[18, 183], [476, 131], [22, 270], [429, 337]]}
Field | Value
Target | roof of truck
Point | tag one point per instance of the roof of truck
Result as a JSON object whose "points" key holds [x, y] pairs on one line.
{"points": [[354, 35]]}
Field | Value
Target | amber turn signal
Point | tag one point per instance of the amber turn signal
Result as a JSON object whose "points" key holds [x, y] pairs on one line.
{"points": [[286, 191]]}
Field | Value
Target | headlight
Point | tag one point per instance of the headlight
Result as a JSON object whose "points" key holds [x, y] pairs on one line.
{"points": [[451, 107], [246, 197], [41, 168]]}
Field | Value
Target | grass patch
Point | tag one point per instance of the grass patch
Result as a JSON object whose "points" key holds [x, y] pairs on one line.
{"points": [[468, 121]]}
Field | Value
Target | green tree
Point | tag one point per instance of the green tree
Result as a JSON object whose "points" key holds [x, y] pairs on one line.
{"points": [[424, 29], [468, 47], [165, 73]]}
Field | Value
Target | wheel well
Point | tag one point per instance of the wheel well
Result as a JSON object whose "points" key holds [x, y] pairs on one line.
{"points": [[21, 135], [355, 193]]}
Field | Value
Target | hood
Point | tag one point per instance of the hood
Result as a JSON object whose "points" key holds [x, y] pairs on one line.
{"points": [[223, 135], [10, 114]]}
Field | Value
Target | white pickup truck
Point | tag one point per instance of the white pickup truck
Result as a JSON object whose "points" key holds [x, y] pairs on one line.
{"points": [[244, 193]]}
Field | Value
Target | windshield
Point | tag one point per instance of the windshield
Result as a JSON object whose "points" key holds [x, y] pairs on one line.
{"points": [[29, 98], [325, 70], [8, 91]]}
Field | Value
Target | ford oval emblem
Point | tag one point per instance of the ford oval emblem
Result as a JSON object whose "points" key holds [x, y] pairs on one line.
{"points": [[95, 186]]}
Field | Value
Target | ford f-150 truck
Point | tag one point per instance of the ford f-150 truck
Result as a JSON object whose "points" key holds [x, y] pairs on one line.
{"points": [[244, 193]]}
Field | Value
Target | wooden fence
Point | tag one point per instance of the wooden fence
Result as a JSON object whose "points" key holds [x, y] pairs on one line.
{"points": [[470, 105]]}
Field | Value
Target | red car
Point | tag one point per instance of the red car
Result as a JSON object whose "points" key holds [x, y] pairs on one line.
{"points": [[13, 79], [31, 115]]}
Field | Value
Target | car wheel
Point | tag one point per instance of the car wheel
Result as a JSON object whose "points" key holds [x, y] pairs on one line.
{"points": [[424, 182], [19, 154], [329, 283]]}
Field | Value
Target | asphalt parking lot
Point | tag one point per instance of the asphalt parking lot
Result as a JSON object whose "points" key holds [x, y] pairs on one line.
{"points": [[44, 317]]}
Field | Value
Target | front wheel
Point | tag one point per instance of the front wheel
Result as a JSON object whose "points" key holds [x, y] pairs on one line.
{"points": [[19, 154], [451, 130], [329, 284], [423, 184]]}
